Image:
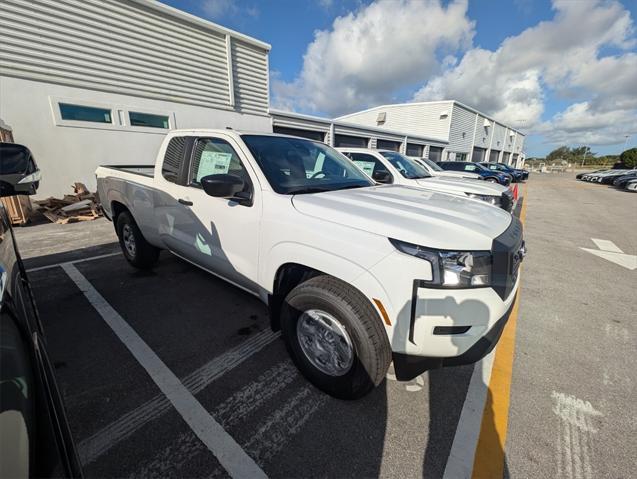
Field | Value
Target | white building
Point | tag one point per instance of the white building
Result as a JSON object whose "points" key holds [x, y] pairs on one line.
{"points": [[90, 82], [343, 133], [468, 134]]}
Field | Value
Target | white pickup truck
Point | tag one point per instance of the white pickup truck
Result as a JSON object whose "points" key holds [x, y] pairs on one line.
{"points": [[391, 167], [354, 273]]}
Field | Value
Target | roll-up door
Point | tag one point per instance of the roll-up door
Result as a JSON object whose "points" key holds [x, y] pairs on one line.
{"points": [[350, 141], [310, 134], [493, 156], [478, 155], [414, 150], [435, 153], [515, 160], [388, 145]]}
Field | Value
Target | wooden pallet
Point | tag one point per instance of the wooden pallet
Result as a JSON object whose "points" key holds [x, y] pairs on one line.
{"points": [[18, 209]]}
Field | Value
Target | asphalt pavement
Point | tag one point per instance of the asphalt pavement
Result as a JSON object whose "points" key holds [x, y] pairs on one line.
{"points": [[570, 410]]}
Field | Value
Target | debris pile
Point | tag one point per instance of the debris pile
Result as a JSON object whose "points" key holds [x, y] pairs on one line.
{"points": [[81, 206]]}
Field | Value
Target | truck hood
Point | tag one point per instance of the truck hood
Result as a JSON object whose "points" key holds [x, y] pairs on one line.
{"points": [[460, 186], [419, 216]]}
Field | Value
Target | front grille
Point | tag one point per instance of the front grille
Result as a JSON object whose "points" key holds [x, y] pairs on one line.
{"points": [[506, 201], [507, 256]]}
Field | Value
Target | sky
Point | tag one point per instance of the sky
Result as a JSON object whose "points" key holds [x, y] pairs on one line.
{"points": [[562, 71]]}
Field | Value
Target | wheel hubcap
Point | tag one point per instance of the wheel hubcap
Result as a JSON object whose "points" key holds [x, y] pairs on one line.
{"points": [[325, 342], [129, 240]]}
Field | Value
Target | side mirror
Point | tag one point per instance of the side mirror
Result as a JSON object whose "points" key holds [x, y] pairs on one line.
{"points": [[19, 175], [382, 177], [222, 185]]}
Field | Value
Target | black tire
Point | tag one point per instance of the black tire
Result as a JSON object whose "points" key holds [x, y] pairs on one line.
{"points": [[492, 180], [372, 352], [144, 255]]}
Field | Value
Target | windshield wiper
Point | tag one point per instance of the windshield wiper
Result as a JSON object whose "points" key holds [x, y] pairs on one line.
{"points": [[310, 189]]}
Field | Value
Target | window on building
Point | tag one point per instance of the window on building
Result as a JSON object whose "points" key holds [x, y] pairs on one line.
{"points": [[148, 120], [85, 113], [388, 145], [414, 150], [310, 134], [461, 157]]}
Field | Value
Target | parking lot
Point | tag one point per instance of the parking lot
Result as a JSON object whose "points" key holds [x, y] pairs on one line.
{"points": [[556, 399]]}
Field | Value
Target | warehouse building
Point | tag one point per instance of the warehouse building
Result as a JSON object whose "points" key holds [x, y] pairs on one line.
{"points": [[468, 134], [90, 82], [342, 133]]}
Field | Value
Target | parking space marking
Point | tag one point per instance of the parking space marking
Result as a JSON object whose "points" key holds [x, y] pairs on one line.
{"points": [[75, 261], [230, 455], [102, 441], [243, 402], [473, 450]]}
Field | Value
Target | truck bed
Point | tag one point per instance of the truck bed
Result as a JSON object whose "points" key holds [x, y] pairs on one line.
{"points": [[142, 170]]}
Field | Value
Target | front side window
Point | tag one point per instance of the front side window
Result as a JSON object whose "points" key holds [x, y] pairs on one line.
{"points": [[432, 164], [297, 165], [406, 167], [85, 113], [148, 120], [214, 156]]}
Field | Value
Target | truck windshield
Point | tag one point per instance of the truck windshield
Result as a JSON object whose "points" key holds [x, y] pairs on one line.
{"points": [[431, 164], [408, 168], [298, 166]]}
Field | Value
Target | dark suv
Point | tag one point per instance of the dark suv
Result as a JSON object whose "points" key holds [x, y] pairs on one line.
{"points": [[485, 173], [517, 173], [36, 439]]}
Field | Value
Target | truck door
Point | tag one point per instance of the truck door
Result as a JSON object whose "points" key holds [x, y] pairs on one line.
{"points": [[220, 235]]}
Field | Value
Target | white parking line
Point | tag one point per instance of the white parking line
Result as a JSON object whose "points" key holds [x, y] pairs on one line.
{"points": [[75, 261], [463, 448], [229, 454]]}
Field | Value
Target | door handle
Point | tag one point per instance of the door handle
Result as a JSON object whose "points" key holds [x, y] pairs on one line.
{"points": [[185, 202]]}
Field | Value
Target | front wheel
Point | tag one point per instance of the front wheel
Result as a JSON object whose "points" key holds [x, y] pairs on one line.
{"points": [[492, 180], [335, 337], [137, 251]]}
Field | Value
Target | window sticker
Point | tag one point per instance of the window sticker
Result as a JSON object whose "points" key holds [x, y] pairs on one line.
{"points": [[366, 166], [213, 163]]}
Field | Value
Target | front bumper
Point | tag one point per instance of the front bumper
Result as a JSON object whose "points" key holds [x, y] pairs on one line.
{"points": [[407, 367]]}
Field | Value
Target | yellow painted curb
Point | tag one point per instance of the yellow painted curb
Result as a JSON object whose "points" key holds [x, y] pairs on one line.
{"points": [[489, 458]]}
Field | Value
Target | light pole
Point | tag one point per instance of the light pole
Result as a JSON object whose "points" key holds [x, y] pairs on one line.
{"points": [[626, 141]]}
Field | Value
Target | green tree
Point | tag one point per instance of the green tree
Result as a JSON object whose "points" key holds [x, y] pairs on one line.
{"points": [[629, 158]]}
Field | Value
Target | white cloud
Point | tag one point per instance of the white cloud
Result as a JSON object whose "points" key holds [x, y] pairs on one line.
{"points": [[370, 55], [217, 9], [563, 56]]}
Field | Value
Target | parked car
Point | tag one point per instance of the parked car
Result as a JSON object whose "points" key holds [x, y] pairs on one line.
{"points": [[580, 176], [604, 176], [516, 173], [610, 178], [435, 170], [391, 167], [488, 175], [631, 186], [353, 272], [35, 439], [624, 179]]}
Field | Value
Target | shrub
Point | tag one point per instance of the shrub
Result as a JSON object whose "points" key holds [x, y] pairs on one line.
{"points": [[629, 158]]}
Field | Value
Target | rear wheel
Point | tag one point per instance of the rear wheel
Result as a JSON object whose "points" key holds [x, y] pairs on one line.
{"points": [[137, 251], [492, 180], [335, 337]]}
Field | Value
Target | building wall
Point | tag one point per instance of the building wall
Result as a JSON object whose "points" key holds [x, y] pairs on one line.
{"points": [[68, 153], [128, 48], [463, 123], [427, 120], [122, 55], [499, 132], [482, 134]]}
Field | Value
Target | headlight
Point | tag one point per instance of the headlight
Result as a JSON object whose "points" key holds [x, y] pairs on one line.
{"points": [[492, 200], [452, 269]]}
